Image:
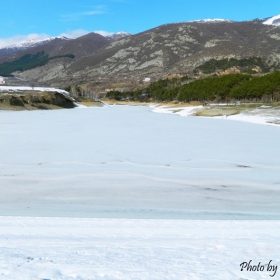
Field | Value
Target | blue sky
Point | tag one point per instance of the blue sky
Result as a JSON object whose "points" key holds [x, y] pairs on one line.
{"points": [[28, 19]]}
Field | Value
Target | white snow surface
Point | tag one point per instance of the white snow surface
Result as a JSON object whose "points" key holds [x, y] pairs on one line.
{"points": [[121, 33], [211, 20], [19, 88], [273, 21], [82, 249]]}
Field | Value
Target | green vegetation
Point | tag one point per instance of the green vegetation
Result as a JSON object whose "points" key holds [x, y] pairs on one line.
{"points": [[140, 95], [211, 88], [265, 88], [28, 62], [219, 88], [246, 65], [69, 55]]}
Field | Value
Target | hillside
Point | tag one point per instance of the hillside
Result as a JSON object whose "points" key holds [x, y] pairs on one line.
{"points": [[178, 48], [167, 50]]}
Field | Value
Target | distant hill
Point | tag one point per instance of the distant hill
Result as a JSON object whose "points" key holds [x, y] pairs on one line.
{"points": [[82, 46], [25, 45]]}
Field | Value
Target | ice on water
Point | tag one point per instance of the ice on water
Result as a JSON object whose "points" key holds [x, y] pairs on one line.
{"points": [[128, 162]]}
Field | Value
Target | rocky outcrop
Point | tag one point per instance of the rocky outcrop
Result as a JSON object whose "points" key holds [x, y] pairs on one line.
{"points": [[34, 100]]}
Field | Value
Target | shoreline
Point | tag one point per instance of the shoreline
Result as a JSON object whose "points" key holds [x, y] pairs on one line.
{"points": [[257, 113]]}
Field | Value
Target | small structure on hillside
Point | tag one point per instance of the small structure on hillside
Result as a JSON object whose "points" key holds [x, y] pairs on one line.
{"points": [[147, 80], [108, 89], [2, 81]]}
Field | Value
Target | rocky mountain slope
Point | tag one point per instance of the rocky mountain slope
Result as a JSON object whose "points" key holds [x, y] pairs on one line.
{"points": [[165, 50]]}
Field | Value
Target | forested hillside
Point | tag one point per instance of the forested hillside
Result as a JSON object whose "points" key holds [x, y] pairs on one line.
{"points": [[27, 62], [245, 65], [219, 88]]}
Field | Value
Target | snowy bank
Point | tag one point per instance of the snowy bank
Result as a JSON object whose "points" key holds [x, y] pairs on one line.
{"points": [[261, 115], [80, 249], [17, 88]]}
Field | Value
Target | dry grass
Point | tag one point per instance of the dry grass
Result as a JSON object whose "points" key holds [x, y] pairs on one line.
{"points": [[130, 103], [171, 104], [214, 112], [7, 107], [91, 103]]}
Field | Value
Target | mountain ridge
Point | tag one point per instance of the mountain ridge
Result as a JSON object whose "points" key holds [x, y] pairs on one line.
{"points": [[169, 49]]}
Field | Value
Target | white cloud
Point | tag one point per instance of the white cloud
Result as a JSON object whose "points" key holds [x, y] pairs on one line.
{"points": [[75, 33], [5, 42], [103, 33], [97, 10]]}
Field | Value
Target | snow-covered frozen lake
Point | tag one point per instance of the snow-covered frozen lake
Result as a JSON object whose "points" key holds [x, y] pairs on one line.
{"points": [[128, 162], [125, 193]]}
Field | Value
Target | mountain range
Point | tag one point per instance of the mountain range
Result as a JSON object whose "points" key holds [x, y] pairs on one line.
{"points": [[31, 45], [123, 60]]}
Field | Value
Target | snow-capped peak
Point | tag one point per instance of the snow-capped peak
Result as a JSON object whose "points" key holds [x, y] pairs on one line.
{"points": [[34, 42], [273, 21], [123, 33], [210, 20], [118, 35]]}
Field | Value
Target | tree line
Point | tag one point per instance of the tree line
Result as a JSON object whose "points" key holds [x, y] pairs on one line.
{"points": [[222, 88]]}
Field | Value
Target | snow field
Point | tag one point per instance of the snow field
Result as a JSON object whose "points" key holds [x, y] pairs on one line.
{"points": [[17, 88], [69, 248]]}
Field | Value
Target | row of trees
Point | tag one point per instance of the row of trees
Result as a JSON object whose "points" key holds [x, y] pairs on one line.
{"points": [[85, 91], [222, 88], [265, 88], [211, 88]]}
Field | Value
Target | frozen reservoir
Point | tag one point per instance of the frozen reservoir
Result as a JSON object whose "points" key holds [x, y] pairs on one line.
{"points": [[128, 162]]}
